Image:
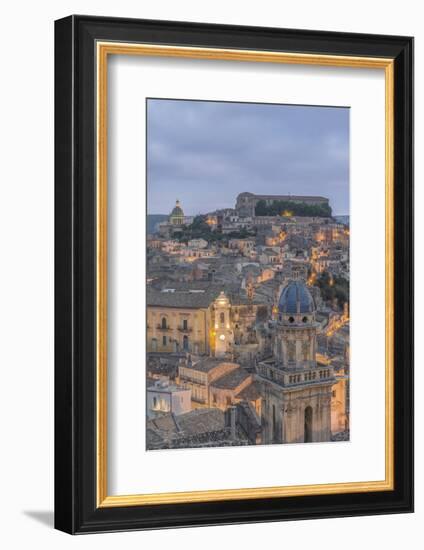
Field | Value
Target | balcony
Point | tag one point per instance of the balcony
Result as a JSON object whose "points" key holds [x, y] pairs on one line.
{"points": [[163, 329], [185, 330]]}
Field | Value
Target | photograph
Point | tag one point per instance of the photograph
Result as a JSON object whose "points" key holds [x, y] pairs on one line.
{"points": [[233, 252], [247, 274]]}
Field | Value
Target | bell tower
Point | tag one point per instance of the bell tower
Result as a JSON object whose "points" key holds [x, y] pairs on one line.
{"points": [[296, 386], [224, 335], [295, 341]]}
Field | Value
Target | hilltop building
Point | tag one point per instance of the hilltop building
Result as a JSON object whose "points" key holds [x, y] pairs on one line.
{"points": [[177, 215], [246, 202], [176, 221]]}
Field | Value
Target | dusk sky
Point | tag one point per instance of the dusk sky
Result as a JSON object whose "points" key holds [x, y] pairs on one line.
{"points": [[206, 153]]}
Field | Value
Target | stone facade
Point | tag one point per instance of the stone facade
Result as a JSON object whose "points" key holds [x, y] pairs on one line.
{"points": [[296, 389], [176, 330], [199, 375], [246, 202], [203, 322]]}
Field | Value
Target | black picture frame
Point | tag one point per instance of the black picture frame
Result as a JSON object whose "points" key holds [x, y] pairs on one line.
{"points": [[76, 510]]}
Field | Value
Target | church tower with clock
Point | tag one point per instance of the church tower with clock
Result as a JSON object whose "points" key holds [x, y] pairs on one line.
{"points": [[223, 332]]}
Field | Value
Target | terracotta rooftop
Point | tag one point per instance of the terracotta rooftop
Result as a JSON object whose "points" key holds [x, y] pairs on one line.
{"points": [[206, 365], [251, 393], [201, 421], [231, 380], [189, 300]]}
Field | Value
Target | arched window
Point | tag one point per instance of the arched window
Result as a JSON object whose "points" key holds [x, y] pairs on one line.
{"points": [[308, 425], [164, 322]]}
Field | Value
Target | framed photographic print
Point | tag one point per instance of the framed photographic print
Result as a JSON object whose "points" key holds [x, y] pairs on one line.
{"points": [[234, 274]]}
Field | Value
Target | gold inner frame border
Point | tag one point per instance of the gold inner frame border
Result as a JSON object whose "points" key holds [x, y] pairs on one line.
{"points": [[103, 50]]}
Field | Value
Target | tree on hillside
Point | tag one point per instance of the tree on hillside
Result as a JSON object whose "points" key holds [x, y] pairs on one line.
{"points": [[333, 287]]}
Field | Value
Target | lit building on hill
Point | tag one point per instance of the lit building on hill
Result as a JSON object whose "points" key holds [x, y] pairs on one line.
{"points": [[176, 221], [246, 202], [177, 215]]}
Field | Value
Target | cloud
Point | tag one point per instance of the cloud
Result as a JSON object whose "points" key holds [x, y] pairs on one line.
{"points": [[205, 153]]}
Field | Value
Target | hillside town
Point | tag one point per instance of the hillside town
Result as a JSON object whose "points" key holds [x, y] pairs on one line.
{"points": [[248, 324]]}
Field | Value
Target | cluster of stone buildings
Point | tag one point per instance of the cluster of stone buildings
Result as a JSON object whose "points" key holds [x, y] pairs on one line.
{"points": [[241, 347], [246, 202]]}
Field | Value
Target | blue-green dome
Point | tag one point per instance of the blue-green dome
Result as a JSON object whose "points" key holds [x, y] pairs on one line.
{"points": [[296, 298], [177, 211], [177, 215]]}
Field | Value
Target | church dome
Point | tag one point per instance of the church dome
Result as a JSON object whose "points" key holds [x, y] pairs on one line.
{"points": [[176, 217], [177, 211], [296, 298]]}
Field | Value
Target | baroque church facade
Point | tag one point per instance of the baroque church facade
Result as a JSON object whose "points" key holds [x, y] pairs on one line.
{"points": [[296, 388]]}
